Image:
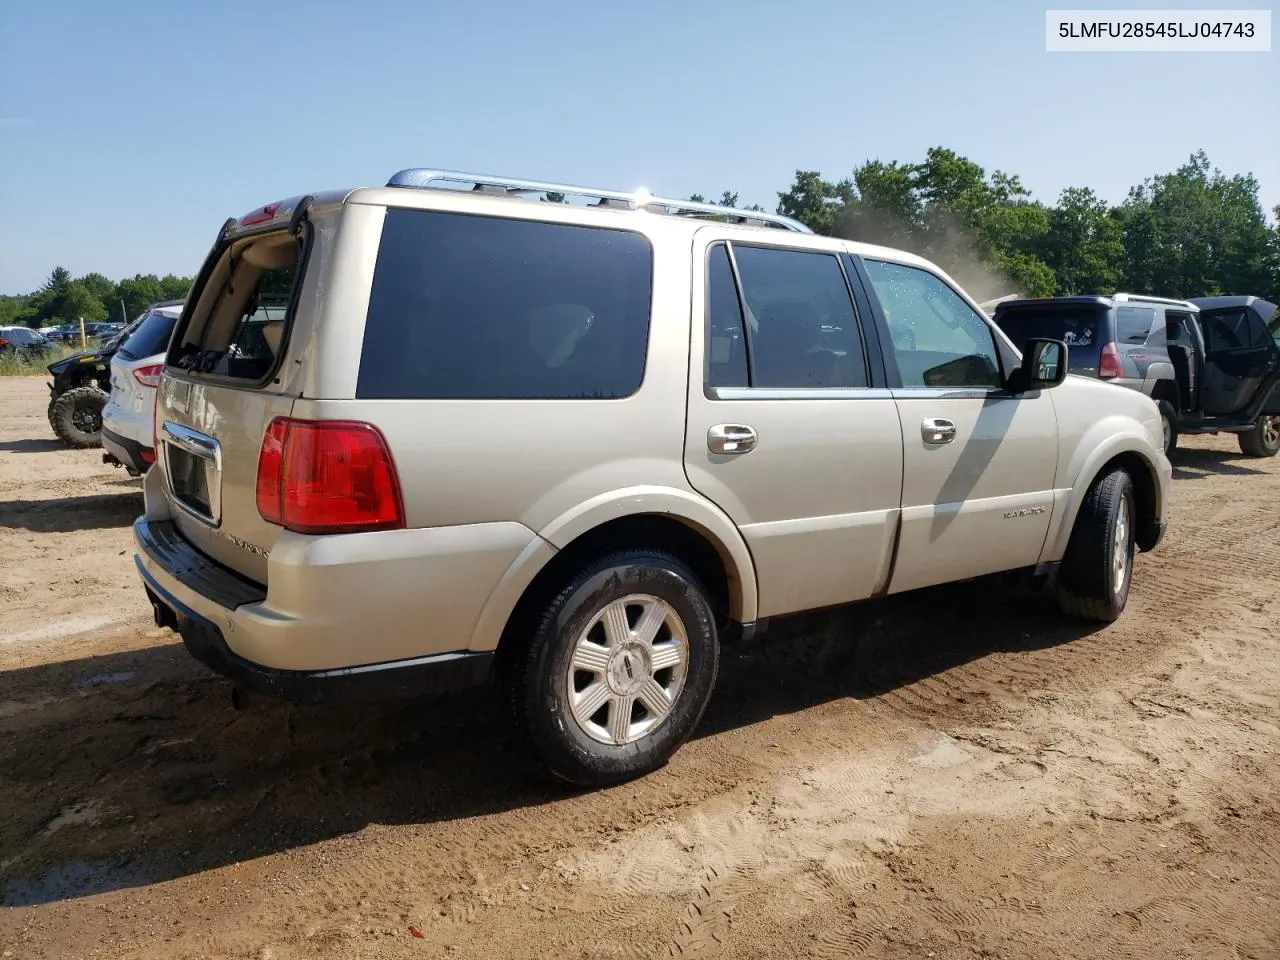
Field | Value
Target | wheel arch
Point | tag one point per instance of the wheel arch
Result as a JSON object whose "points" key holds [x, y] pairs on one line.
{"points": [[677, 522], [1143, 470]]}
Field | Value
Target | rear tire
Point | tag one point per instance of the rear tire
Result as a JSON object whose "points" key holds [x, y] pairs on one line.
{"points": [[1169, 421], [76, 416], [1263, 440], [1097, 570], [634, 628]]}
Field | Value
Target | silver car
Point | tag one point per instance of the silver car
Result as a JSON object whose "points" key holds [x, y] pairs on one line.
{"points": [[413, 436]]}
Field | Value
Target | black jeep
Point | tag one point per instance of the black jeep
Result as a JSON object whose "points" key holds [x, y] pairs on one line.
{"points": [[1227, 364]]}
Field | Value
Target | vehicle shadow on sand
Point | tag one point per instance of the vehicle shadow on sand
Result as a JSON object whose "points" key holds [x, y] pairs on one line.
{"points": [[31, 446], [133, 768], [1196, 464], [95, 511]]}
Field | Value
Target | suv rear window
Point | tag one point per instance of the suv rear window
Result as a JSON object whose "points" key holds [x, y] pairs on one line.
{"points": [[472, 307], [234, 324], [1081, 327], [149, 337]]}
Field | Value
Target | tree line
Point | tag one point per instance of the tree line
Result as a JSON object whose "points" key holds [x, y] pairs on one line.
{"points": [[66, 299], [1192, 232]]}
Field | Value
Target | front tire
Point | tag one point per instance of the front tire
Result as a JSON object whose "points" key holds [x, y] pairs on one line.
{"points": [[1097, 570], [76, 416], [619, 669], [1263, 440]]}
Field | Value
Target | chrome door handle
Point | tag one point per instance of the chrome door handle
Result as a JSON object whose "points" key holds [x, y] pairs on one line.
{"points": [[936, 430], [731, 438]]}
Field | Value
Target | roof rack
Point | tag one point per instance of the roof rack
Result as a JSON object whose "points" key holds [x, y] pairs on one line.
{"points": [[424, 178], [1125, 297]]}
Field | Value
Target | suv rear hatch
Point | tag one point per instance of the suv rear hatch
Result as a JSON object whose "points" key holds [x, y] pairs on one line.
{"points": [[1084, 327], [225, 381]]}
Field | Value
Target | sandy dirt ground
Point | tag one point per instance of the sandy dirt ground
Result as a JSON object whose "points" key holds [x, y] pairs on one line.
{"points": [[955, 773]]}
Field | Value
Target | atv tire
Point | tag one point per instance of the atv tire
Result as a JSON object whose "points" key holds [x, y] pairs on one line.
{"points": [[76, 416]]}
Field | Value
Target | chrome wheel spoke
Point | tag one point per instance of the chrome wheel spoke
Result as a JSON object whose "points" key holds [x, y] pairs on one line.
{"points": [[590, 656], [620, 711], [666, 655], [651, 621], [588, 703], [614, 620], [655, 699]]}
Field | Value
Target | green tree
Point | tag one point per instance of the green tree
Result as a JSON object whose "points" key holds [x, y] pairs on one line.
{"points": [[1197, 232], [17, 311], [174, 287], [818, 204], [552, 196], [1084, 244], [139, 292], [80, 304]]}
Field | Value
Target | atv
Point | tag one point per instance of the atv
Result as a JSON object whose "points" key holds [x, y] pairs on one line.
{"points": [[81, 388]]}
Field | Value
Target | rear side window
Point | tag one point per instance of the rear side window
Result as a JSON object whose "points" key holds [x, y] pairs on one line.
{"points": [[468, 307], [800, 331], [149, 337], [1133, 324]]}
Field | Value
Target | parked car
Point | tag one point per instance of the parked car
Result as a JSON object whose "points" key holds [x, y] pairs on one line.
{"points": [[24, 341], [1159, 347], [491, 437], [128, 431]]}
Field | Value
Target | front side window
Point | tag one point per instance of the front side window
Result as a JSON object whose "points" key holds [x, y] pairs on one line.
{"points": [[469, 307], [1232, 330], [938, 339]]}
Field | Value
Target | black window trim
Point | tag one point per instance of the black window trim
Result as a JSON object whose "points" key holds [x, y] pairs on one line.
{"points": [[876, 384], [1008, 358], [506, 217]]}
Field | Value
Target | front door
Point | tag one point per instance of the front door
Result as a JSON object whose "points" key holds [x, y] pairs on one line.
{"points": [[1239, 355], [787, 431], [978, 462]]}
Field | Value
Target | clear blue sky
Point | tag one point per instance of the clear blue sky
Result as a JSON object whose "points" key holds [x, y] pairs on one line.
{"points": [[130, 130]]}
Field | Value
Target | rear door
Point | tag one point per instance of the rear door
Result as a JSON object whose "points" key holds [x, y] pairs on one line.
{"points": [[224, 382], [790, 429], [979, 463], [1239, 355]]}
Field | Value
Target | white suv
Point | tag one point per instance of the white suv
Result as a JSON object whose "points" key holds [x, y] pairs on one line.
{"points": [[128, 420], [415, 435]]}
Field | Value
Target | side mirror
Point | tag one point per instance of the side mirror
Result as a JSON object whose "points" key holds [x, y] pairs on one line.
{"points": [[1044, 365]]}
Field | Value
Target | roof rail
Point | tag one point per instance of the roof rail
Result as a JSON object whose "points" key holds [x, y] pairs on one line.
{"points": [[424, 178], [1124, 297]]}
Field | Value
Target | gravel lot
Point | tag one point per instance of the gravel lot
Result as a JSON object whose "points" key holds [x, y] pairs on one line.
{"points": [[955, 773]]}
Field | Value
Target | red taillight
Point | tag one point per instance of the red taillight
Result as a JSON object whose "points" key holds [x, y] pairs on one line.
{"points": [[327, 476], [149, 376], [261, 215], [148, 456], [1109, 366]]}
